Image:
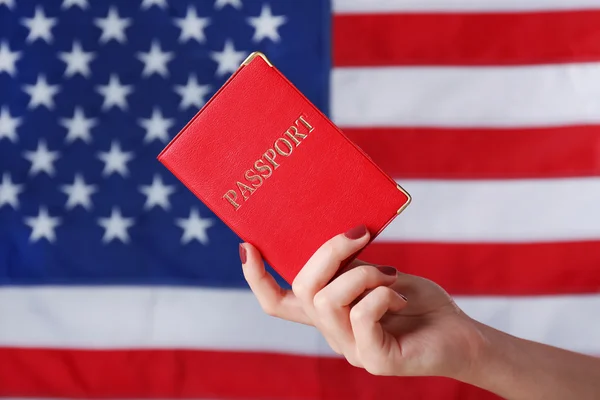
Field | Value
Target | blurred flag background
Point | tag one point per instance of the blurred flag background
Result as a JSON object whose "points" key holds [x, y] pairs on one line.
{"points": [[116, 282]]}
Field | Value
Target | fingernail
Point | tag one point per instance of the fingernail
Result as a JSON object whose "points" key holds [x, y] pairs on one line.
{"points": [[404, 297], [388, 270], [242, 254], [357, 232]]}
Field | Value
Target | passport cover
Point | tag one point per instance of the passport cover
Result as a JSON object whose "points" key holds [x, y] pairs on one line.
{"points": [[277, 171]]}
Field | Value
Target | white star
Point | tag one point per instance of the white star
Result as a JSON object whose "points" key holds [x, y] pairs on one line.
{"points": [[79, 126], [229, 60], [83, 4], [115, 93], [41, 93], [9, 3], [43, 225], [8, 124], [191, 93], [42, 159], [157, 194], [112, 26], [192, 26], [266, 25], [234, 3], [115, 160], [9, 191], [79, 193], [149, 3], [157, 126], [115, 227], [8, 58], [155, 60], [194, 227], [77, 61], [39, 26]]}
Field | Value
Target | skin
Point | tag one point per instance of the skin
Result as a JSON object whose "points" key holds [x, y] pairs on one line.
{"points": [[405, 325]]}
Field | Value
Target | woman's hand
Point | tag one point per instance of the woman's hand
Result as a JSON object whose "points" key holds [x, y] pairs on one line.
{"points": [[379, 319], [392, 323]]}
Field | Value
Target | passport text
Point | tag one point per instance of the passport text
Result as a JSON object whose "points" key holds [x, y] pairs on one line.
{"points": [[269, 161]]}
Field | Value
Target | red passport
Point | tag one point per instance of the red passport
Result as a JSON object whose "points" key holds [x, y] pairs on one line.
{"points": [[277, 171]]}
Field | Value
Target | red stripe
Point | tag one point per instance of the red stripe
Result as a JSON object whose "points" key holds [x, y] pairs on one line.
{"points": [[482, 153], [497, 269], [205, 374], [466, 38]]}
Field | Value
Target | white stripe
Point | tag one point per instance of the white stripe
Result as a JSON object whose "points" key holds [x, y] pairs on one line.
{"points": [[539, 95], [142, 317], [498, 210], [376, 6]]}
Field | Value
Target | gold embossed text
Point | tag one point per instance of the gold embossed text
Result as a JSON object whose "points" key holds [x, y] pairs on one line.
{"points": [[269, 161]]}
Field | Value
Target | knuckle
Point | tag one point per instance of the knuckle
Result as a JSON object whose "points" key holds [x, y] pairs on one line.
{"points": [[364, 271], [357, 315], [376, 366], [354, 361], [300, 288], [322, 302], [270, 309], [328, 251], [374, 369]]}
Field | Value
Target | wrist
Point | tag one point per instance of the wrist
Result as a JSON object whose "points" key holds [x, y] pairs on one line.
{"points": [[481, 353], [493, 359], [468, 345], [517, 368]]}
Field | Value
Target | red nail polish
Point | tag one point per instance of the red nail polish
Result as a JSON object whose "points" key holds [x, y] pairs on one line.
{"points": [[388, 270], [357, 232], [242, 254]]}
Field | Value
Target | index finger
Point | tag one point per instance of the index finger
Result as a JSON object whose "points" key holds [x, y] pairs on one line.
{"points": [[325, 262]]}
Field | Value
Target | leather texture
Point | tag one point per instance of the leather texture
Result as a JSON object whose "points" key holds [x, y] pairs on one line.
{"points": [[325, 186]]}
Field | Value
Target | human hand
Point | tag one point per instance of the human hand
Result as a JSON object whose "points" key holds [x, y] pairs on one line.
{"points": [[378, 318]]}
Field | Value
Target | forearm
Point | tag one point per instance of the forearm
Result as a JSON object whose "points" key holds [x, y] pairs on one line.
{"points": [[518, 369]]}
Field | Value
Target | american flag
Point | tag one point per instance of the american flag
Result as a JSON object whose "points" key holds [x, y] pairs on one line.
{"points": [[116, 282]]}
